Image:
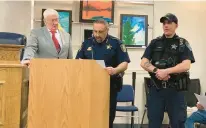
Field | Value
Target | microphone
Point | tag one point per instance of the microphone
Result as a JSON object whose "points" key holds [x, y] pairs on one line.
{"points": [[92, 53], [92, 47]]}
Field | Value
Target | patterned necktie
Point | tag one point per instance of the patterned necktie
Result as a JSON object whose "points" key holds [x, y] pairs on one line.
{"points": [[56, 43]]}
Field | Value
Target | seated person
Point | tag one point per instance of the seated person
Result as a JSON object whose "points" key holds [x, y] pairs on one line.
{"points": [[197, 117]]}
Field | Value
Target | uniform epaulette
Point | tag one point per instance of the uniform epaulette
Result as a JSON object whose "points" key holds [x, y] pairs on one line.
{"points": [[114, 38], [159, 37], [156, 39], [90, 38]]}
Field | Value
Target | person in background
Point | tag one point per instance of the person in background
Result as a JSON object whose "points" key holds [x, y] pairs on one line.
{"points": [[167, 59], [48, 41], [197, 117]]}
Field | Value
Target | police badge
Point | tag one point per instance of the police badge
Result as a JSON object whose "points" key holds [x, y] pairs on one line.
{"points": [[123, 48], [89, 48], [109, 46], [173, 46]]}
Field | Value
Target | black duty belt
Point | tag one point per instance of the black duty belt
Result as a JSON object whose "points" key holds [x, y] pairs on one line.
{"points": [[163, 84]]}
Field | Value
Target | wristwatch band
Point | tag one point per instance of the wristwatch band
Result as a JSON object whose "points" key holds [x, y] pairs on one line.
{"points": [[154, 70]]}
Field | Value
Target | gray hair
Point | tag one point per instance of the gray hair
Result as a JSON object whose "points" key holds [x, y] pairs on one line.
{"points": [[48, 12], [101, 21]]}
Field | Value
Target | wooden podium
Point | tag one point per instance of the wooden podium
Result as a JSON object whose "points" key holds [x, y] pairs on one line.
{"points": [[12, 83], [68, 94]]}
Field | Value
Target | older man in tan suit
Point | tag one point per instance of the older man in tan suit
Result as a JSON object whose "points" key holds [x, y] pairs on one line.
{"points": [[48, 41]]}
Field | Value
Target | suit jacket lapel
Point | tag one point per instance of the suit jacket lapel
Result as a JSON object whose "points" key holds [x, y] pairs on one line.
{"points": [[48, 36], [62, 39]]}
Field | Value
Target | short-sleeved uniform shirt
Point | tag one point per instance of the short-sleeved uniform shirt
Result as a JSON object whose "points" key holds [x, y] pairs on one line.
{"points": [[187, 53], [111, 50]]}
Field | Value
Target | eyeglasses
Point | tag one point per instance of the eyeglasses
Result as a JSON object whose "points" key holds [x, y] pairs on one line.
{"points": [[53, 20]]}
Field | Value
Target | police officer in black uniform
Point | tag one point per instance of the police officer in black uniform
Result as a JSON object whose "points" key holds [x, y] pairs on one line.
{"points": [[102, 46], [167, 59]]}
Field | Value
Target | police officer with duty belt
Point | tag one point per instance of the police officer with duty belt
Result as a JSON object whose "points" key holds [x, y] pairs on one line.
{"points": [[167, 59], [102, 46]]}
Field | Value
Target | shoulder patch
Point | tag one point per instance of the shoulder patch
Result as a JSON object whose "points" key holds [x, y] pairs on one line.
{"points": [[123, 48], [181, 41], [188, 45], [185, 42]]}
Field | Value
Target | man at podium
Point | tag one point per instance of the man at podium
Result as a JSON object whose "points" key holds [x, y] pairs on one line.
{"points": [[48, 41], [102, 46]]}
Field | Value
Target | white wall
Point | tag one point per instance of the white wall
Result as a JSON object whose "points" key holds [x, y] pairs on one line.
{"points": [[191, 26], [15, 17]]}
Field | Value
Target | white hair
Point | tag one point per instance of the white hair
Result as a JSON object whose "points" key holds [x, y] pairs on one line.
{"points": [[48, 12]]}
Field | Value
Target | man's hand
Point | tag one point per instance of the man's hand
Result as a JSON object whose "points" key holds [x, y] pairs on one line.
{"points": [[111, 70], [25, 62], [162, 74], [199, 106], [166, 78]]}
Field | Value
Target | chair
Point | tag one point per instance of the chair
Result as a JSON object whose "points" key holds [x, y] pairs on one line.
{"points": [[193, 87], [127, 94], [191, 100], [147, 84], [13, 38]]}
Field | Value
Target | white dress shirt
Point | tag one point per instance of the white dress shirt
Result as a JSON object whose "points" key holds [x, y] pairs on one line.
{"points": [[58, 36]]}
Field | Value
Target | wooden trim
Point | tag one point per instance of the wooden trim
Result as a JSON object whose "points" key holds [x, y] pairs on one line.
{"points": [[11, 46], [5, 64]]}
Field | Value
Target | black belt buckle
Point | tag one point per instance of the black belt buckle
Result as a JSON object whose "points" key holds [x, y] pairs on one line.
{"points": [[164, 84]]}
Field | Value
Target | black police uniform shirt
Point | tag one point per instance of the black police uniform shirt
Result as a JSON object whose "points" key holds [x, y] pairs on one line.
{"points": [[187, 54], [111, 50]]}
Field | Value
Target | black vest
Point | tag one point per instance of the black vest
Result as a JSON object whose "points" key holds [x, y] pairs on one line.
{"points": [[166, 53]]}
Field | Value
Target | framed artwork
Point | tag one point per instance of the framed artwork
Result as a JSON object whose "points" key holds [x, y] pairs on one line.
{"points": [[93, 10], [134, 30], [87, 33], [65, 19]]}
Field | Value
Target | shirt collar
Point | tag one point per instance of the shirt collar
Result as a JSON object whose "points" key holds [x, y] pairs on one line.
{"points": [[174, 37], [57, 31]]}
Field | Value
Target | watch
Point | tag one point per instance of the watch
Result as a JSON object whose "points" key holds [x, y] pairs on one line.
{"points": [[154, 70]]}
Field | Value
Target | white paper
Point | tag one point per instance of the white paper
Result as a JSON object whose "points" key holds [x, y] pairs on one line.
{"points": [[201, 99], [101, 62]]}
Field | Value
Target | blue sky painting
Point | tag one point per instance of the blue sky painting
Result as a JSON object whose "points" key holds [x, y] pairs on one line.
{"points": [[133, 30]]}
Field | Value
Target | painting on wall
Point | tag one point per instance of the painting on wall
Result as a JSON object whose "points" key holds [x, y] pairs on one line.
{"points": [[93, 10], [65, 19], [134, 30]]}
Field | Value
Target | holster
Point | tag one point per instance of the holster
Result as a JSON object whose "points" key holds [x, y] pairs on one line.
{"points": [[181, 81], [178, 81], [117, 81]]}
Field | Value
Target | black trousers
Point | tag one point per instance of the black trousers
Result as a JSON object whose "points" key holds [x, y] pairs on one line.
{"points": [[174, 103], [113, 104]]}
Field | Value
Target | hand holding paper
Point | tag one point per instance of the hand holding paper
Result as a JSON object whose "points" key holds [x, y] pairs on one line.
{"points": [[202, 101], [199, 106]]}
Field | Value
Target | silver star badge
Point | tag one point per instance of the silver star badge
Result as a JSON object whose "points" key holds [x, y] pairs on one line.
{"points": [[174, 46]]}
